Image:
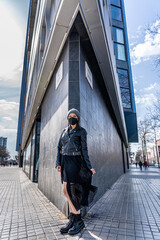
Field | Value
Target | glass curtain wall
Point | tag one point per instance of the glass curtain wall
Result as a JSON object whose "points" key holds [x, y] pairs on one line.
{"points": [[119, 47], [124, 87], [27, 157], [36, 157], [31, 153], [120, 52]]}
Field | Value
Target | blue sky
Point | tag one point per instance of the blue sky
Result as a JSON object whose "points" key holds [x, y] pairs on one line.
{"points": [[140, 15], [13, 21]]}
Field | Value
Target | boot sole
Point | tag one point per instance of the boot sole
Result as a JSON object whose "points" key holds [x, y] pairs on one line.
{"points": [[65, 231], [70, 233]]}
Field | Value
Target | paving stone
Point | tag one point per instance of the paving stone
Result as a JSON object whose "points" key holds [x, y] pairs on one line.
{"points": [[128, 210]]}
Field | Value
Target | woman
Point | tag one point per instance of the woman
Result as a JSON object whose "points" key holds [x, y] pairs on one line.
{"points": [[76, 171]]}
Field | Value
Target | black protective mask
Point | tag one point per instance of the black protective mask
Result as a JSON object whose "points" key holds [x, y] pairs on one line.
{"points": [[73, 120]]}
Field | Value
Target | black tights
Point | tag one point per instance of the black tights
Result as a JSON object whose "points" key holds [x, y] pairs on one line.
{"points": [[74, 197]]}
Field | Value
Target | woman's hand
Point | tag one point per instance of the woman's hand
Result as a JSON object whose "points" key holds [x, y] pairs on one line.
{"points": [[58, 168], [93, 171]]}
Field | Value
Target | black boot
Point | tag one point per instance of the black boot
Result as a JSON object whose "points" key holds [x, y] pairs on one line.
{"points": [[69, 224], [78, 225]]}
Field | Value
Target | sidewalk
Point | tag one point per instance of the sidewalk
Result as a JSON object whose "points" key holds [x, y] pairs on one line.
{"points": [[129, 210]]}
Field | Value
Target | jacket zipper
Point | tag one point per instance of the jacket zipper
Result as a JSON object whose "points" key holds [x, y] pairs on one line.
{"points": [[69, 142], [75, 147], [73, 143]]}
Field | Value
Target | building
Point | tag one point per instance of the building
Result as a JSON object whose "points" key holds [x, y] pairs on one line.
{"points": [[154, 154], [3, 142], [151, 155], [76, 55], [158, 152]]}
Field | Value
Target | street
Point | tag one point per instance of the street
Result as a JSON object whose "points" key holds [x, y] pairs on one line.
{"points": [[130, 209]]}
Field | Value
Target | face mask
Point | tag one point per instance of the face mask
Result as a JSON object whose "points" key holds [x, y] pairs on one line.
{"points": [[73, 120]]}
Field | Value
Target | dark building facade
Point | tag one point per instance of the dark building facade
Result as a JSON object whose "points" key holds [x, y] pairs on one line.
{"points": [[72, 62], [121, 47], [3, 143]]}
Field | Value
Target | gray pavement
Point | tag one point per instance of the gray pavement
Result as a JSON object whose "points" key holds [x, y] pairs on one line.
{"points": [[130, 209]]}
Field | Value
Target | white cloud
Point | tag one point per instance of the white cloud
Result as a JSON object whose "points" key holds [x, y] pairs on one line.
{"points": [[8, 109], [6, 131], [152, 86], [149, 47], [139, 28], [7, 119], [137, 34], [132, 44], [136, 78], [8, 123], [135, 90], [146, 99], [12, 42]]}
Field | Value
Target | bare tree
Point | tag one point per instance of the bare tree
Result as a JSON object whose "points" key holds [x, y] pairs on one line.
{"points": [[156, 108], [138, 156], [3, 152], [154, 118], [144, 131], [154, 30]]}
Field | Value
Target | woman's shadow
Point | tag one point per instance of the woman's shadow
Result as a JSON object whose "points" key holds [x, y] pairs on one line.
{"points": [[88, 232]]}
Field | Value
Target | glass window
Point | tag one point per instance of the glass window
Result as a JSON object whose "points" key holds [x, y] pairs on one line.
{"points": [[120, 51], [28, 153], [32, 154], [116, 2], [118, 35], [116, 13], [123, 78], [24, 160], [126, 99]]}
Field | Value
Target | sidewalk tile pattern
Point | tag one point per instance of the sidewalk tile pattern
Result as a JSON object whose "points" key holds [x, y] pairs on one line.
{"points": [[129, 210]]}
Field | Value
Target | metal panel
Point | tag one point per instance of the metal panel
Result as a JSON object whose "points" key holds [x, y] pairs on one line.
{"points": [[100, 36]]}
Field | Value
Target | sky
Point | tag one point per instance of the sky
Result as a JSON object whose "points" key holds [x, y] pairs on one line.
{"points": [[143, 50], [141, 14], [13, 22]]}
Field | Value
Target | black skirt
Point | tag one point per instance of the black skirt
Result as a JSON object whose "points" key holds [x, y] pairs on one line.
{"points": [[74, 171], [72, 166]]}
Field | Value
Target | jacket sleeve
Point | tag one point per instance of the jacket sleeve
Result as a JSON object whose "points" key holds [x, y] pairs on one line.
{"points": [[58, 161], [84, 148]]}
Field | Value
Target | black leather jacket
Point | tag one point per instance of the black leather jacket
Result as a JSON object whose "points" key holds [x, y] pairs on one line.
{"points": [[73, 141]]}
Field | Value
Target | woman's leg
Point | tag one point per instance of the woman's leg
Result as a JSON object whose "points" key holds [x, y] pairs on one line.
{"points": [[71, 206]]}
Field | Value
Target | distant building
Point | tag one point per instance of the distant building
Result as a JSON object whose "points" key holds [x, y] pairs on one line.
{"points": [[76, 55], [158, 152], [3, 142], [154, 153]]}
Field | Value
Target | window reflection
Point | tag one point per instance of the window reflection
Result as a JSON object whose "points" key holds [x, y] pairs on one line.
{"points": [[116, 2], [27, 157], [38, 127], [31, 154], [119, 47], [120, 51], [126, 100], [116, 13], [123, 78], [118, 35]]}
